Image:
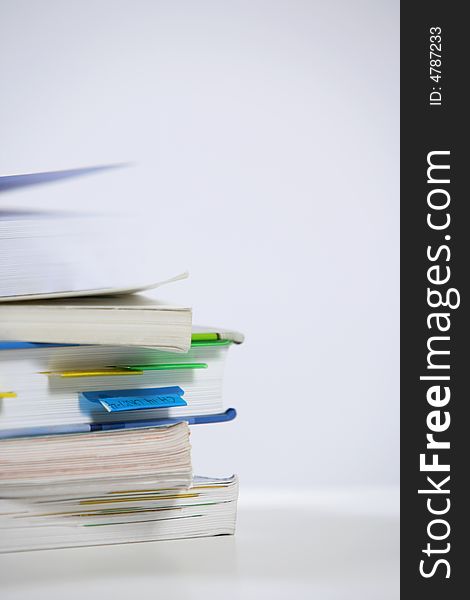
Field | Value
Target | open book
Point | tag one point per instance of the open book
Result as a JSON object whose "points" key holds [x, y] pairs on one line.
{"points": [[59, 254]]}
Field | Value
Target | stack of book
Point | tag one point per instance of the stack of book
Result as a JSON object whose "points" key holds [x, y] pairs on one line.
{"points": [[98, 387]]}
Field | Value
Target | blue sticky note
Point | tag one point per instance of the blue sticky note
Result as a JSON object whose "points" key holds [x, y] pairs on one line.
{"points": [[150, 398]]}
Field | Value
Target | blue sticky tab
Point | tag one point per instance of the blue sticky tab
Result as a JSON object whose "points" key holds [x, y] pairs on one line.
{"points": [[122, 400]]}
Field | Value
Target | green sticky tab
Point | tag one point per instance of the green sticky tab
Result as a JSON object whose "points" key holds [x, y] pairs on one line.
{"points": [[197, 343], [204, 336], [164, 366]]}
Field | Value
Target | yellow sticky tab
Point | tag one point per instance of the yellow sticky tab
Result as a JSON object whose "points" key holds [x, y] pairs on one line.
{"points": [[8, 394], [111, 371]]}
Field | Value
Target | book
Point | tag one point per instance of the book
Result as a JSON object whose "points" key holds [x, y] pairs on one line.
{"points": [[128, 320], [207, 508], [55, 254], [50, 254], [86, 463], [56, 388]]}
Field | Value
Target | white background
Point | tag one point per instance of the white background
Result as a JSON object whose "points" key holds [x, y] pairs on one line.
{"points": [[265, 137]]}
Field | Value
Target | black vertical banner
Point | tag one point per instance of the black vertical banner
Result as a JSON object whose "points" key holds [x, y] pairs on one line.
{"points": [[435, 301]]}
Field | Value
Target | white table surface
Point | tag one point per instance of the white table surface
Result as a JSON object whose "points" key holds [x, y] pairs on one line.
{"points": [[325, 544]]}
